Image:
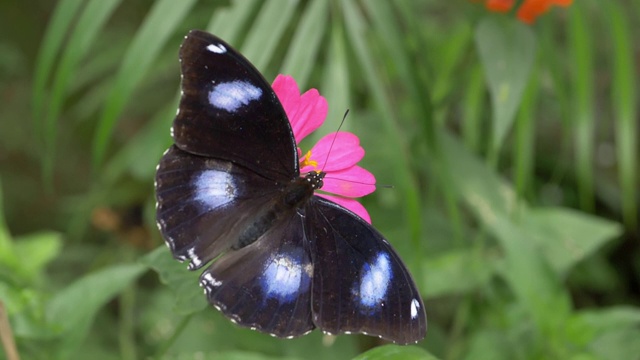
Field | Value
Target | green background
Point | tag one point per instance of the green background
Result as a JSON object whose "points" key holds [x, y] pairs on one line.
{"points": [[506, 157]]}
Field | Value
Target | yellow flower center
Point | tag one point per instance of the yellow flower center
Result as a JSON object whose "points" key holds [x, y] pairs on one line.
{"points": [[307, 161]]}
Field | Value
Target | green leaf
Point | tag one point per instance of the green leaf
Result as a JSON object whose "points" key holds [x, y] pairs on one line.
{"points": [[267, 30], [159, 24], [611, 317], [568, 236], [7, 252], [336, 86], [356, 33], [38, 249], [183, 283], [611, 333], [229, 23], [583, 96], [306, 43], [52, 42], [474, 108], [144, 148], [391, 352], [455, 272], [625, 105], [244, 355], [507, 51], [92, 19], [490, 344], [71, 311], [493, 202]]}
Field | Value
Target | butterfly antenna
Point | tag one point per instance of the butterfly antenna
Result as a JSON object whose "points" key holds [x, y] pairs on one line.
{"points": [[334, 138]]}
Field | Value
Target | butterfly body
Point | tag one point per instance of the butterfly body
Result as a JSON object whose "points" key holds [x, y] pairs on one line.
{"points": [[292, 198], [287, 260]]}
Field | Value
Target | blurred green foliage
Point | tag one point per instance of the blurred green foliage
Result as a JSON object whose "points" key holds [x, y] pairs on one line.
{"points": [[512, 151]]}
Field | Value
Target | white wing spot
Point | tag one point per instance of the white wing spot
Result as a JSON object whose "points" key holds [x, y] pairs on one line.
{"points": [[375, 281], [211, 280], [217, 48], [230, 96], [214, 188], [415, 306], [284, 276], [195, 260]]}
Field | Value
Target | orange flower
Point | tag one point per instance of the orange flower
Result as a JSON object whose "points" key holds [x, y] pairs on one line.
{"points": [[529, 10], [499, 5]]}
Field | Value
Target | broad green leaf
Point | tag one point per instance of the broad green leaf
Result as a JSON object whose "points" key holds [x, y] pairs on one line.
{"points": [[76, 305], [493, 202], [617, 344], [395, 352], [35, 251], [568, 236], [71, 311], [507, 51], [611, 317], [455, 272], [244, 355], [489, 344], [608, 333], [183, 283]]}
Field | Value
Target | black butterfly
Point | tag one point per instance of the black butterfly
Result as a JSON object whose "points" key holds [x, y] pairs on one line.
{"points": [[230, 189]]}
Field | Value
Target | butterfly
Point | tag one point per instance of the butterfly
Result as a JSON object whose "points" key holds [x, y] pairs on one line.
{"points": [[230, 197]]}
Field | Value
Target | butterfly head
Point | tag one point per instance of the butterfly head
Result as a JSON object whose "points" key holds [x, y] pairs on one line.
{"points": [[315, 178]]}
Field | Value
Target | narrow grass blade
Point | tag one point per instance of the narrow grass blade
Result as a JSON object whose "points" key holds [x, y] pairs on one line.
{"points": [[625, 104], [159, 24], [583, 100]]}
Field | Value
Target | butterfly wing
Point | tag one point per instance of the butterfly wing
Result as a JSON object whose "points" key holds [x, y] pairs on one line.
{"points": [[204, 204], [233, 155], [360, 285], [230, 112], [266, 285]]}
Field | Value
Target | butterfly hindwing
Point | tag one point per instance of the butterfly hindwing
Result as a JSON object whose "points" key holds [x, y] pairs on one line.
{"points": [[266, 285], [230, 112], [360, 285]]}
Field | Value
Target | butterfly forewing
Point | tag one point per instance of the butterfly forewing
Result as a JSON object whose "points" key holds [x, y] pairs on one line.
{"points": [[205, 203], [230, 112]]}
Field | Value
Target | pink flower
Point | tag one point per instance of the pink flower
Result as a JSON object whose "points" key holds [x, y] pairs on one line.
{"points": [[344, 180]]}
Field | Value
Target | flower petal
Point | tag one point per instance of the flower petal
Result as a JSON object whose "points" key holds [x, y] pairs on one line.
{"points": [[499, 5], [306, 112], [352, 182], [350, 204], [345, 152], [531, 9]]}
